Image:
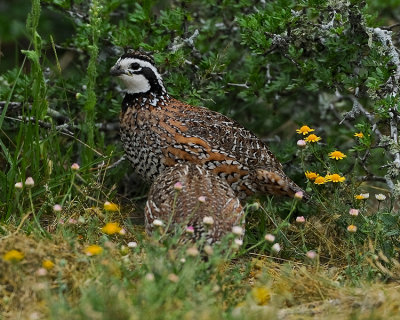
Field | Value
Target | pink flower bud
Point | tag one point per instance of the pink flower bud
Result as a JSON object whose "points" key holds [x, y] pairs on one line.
{"points": [[301, 143], [300, 219], [178, 186], [353, 212]]}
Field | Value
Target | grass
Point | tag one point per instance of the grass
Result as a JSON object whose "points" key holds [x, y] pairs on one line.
{"points": [[164, 281]]}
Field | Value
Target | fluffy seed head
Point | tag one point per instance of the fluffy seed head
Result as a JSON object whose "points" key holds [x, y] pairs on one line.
{"points": [[269, 237], [208, 221], [29, 182]]}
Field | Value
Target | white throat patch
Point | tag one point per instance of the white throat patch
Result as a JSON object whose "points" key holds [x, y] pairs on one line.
{"points": [[136, 83]]}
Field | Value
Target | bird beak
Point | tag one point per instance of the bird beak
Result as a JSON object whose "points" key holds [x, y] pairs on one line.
{"points": [[116, 71]]}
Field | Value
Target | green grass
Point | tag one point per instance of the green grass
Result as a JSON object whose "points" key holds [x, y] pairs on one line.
{"points": [[68, 106]]}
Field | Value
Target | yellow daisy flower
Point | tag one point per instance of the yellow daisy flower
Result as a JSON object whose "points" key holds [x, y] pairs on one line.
{"points": [[311, 175], [320, 180], [359, 135], [93, 250], [261, 295], [312, 138], [335, 178], [48, 264], [111, 228], [352, 228], [109, 206], [304, 130], [359, 197], [13, 256], [337, 155]]}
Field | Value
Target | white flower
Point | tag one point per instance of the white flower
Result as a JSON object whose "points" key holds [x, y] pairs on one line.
{"points": [[311, 254], [269, 237], [57, 208], [301, 219], [353, 212], [380, 197], [301, 143], [208, 221], [132, 244], [158, 223], [365, 195], [202, 199], [238, 242], [276, 247], [299, 195], [237, 230], [75, 167], [29, 182], [18, 185]]}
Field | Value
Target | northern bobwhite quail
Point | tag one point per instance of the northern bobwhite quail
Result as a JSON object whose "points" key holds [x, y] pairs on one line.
{"points": [[189, 196], [158, 131]]}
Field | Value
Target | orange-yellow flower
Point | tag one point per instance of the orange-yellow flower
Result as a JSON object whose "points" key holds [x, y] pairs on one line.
{"points": [[352, 228], [359, 135], [335, 178], [337, 155], [311, 175], [48, 264], [304, 130], [360, 197], [109, 206], [111, 228], [93, 250], [320, 180], [13, 256], [313, 138], [261, 295]]}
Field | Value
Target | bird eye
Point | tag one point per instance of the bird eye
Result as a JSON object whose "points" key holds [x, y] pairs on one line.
{"points": [[135, 66]]}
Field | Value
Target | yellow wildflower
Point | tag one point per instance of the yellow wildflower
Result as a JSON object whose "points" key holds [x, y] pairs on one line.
{"points": [[359, 197], [48, 264], [337, 155], [13, 256], [261, 295], [359, 135], [109, 206], [304, 130], [311, 175], [313, 138], [352, 228], [93, 250], [320, 180], [335, 178], [111, 228]]}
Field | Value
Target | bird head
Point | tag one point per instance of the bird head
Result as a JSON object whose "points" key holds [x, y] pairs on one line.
{"points": [[138, 72]]}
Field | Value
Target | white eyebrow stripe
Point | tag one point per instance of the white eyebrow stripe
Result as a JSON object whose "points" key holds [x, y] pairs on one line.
{"points": [[126, 62]]}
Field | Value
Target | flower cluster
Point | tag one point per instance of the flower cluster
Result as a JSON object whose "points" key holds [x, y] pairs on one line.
{"points": [[318, 179], [304, 130]]}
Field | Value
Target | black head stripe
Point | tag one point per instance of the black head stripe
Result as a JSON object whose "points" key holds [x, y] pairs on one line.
{"points": [[138, 55], [152, 78]]}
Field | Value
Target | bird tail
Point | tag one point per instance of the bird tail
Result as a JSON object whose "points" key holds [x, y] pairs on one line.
{"points": [[277, 183]]}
